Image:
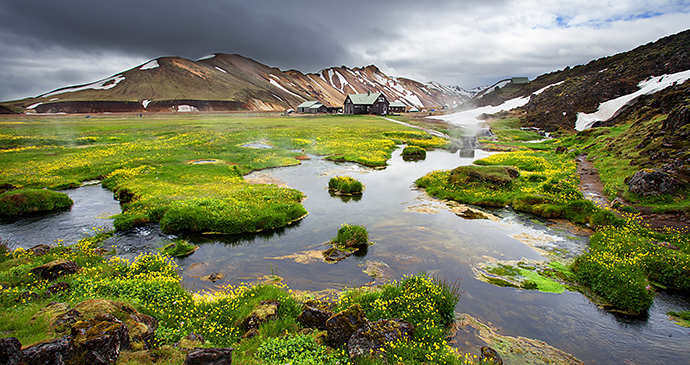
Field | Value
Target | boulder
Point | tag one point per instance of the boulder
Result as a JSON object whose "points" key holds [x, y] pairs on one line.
{"points": [[141, 327], [344, 324], [55, 269], [210, 356], [336, 254], [648, 182], [266, 311], [56, 289], [314, 317], [490, 356], [678, 118], [56, 352], [10, 351], [371, 339], [98, 341], [40, 249]]}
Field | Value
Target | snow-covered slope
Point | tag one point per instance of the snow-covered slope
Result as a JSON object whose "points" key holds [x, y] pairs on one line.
{"points": [[610, 108]]}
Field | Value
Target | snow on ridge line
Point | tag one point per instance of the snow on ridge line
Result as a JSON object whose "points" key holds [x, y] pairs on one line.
{"points": [[151, 64], [276, 84], [610, 108], [205, 58], [98, 85], [32, 106]]}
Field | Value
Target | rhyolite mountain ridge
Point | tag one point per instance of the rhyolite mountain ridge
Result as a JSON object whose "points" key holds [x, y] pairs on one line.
{"points": [[230, 82], [581, 89]]}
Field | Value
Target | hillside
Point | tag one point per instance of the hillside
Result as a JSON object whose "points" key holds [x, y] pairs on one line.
{"points": [[230, 82], [583, 88]]}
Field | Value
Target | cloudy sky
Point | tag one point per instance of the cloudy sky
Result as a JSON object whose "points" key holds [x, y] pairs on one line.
{"points": [[45, 44]]}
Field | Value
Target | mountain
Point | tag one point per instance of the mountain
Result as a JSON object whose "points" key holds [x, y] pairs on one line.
{"points": [[230, 82], [583, 88]]}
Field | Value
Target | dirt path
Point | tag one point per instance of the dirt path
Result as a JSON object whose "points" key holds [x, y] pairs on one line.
{"points": [[590, 184], [593, 190]]}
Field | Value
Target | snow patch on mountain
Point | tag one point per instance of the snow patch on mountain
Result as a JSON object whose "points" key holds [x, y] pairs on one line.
{"points": [[609, 109], [468, 118], [221, 70], [276, 84], [152, 64], [104, 84], [205, 57]]}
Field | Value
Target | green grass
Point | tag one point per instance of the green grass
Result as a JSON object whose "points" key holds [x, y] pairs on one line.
{"points": [[345, 185], [26, 201], [150, 163], [350, 236], [624, 262]]}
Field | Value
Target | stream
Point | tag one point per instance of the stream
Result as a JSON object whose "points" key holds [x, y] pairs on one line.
{"points": [[412, 233]]}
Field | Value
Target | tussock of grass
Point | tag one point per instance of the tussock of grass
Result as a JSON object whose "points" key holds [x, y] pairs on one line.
{"points": [[25, 201], [345, 185]]}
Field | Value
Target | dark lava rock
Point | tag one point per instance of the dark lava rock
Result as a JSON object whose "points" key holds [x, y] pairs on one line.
{"points": [[678, 118], [648, 182], [99, 341], [57, 288], [39, 250], [56, 352], [66, 320], [10, 351], [267, 310], [490, 356], [371, 339], [344, 324], [210, 356], [314, 317], [336, 254], [56, 269]]}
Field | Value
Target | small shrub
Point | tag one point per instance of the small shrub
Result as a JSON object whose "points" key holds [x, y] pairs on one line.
{"points": [[345, 185], [20, 202]]}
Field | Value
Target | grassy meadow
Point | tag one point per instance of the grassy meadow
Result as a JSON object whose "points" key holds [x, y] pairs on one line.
{"points": [[186, 171]]}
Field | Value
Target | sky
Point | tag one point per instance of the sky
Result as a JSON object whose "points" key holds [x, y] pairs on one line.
{"points": [[45, 45]]}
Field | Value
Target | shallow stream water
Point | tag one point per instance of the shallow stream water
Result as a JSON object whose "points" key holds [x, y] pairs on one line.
{"points": [[412, 233]]}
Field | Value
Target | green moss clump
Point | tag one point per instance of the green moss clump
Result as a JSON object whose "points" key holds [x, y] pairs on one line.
{"points": [[413, 152], [499, 175], [352, 236], [25, 201], [345, 185], [179, 248]]}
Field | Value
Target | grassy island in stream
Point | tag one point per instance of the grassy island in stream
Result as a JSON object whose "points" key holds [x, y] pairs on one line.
{"points": [[25, 201], [151, 285], [186, 172]]}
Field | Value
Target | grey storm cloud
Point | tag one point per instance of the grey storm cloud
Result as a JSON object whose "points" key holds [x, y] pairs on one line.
{"points": [[48, 44]]}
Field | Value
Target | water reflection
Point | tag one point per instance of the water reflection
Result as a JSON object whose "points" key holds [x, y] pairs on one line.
{"points": [[346, 198]]}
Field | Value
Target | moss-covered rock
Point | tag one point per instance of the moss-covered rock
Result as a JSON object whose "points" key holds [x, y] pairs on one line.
{"points": [[498, 175], [371, 339], [344, 324], [55, 269]]}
